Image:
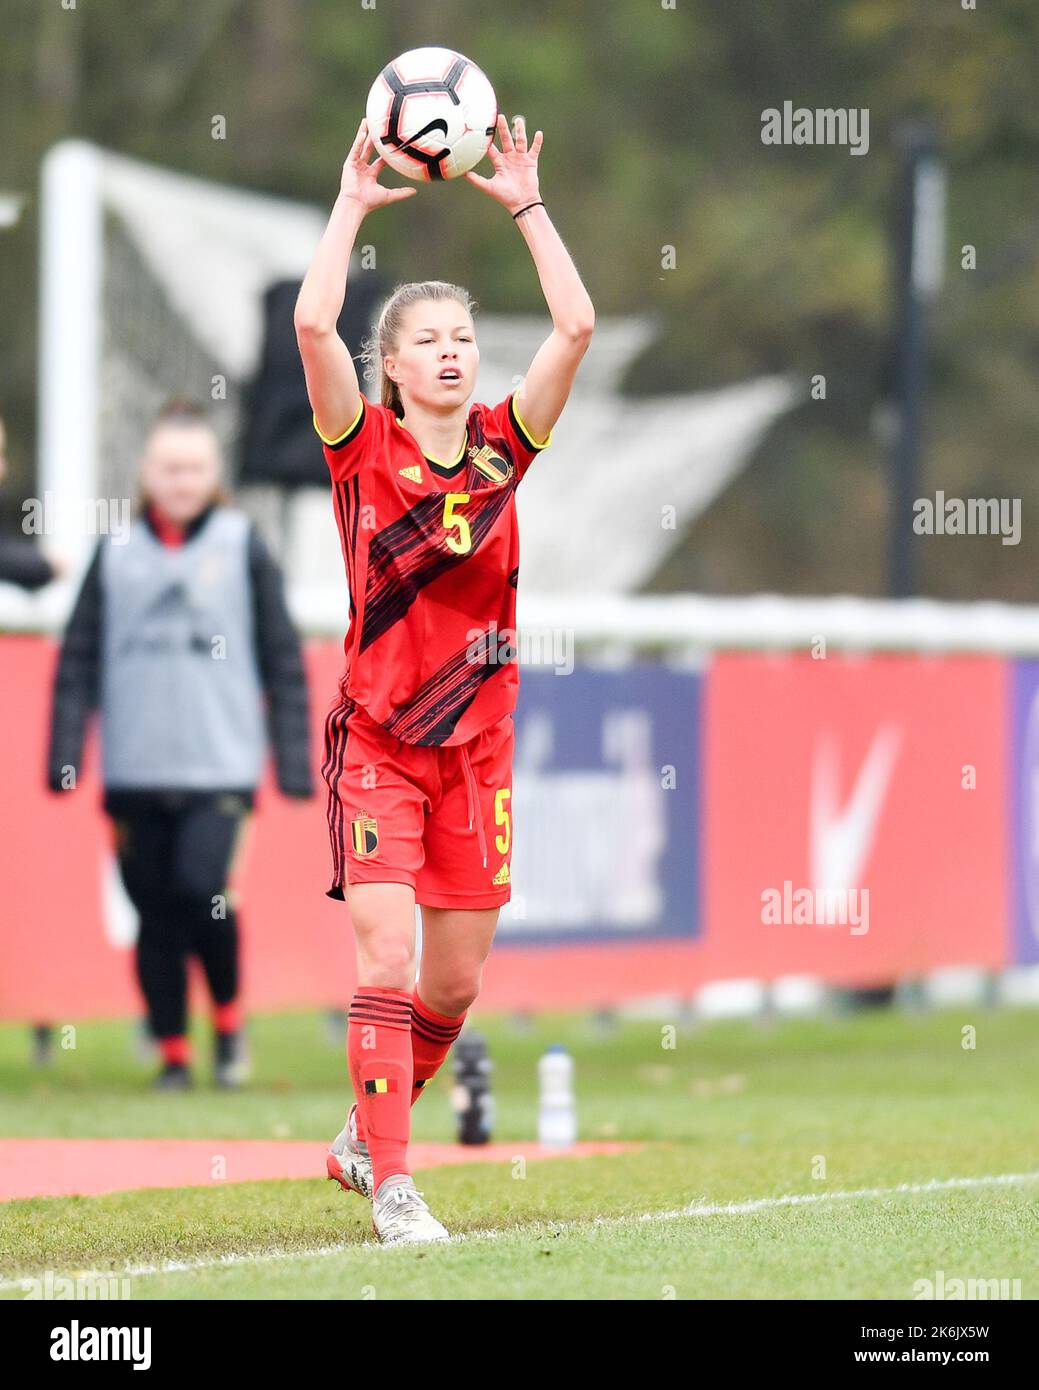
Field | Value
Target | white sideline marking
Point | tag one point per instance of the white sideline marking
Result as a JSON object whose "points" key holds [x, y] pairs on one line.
{"points": [[692, 1210], [802, 1199]]}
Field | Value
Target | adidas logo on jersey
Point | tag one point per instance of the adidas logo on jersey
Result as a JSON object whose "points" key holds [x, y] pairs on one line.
{"points": [[413, 472], [502, 876]]}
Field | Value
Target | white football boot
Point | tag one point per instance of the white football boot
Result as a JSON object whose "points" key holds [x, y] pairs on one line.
{"points": [[401, 1217], [348, 1160]]}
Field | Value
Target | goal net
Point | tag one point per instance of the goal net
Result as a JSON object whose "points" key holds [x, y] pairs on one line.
{"points": [[152, 286]]}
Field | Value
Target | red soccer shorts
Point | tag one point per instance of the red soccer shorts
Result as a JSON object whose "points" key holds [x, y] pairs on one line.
{"points": [[438, 819]]}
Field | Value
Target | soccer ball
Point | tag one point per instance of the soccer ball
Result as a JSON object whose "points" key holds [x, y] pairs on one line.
{"points": [[431, 114]]}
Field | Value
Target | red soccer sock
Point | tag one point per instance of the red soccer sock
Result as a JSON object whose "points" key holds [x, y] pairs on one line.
{"points": [[431, 1037], [378, 1049], [226, 1018], [175, 1049]]}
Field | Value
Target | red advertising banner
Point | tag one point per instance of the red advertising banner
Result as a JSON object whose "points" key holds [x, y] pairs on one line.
{"points": [[854, 826], [62, 954], [883, 776], [65, 955]]}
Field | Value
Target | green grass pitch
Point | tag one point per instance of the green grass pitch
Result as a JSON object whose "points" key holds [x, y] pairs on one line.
{"points": [[733, 1114]]}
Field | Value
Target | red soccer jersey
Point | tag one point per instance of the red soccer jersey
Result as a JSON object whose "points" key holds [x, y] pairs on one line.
{"points": [[432, 561]]}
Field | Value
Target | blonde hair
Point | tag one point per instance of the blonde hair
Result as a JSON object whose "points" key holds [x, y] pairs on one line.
{"points": [[386, 339]]}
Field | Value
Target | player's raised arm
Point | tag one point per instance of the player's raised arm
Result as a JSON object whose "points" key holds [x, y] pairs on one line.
{"points": [[550, 377], [331, 379]]}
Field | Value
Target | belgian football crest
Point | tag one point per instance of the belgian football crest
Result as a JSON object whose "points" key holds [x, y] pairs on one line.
{"points": [[492, 465], [364, 833]]}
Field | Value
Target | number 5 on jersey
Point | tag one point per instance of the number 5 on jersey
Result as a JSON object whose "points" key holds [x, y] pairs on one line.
{"points": [[463, 542]]}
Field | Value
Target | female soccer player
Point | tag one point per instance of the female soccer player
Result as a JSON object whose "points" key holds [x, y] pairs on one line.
{"points": [[418, 746], [181, 636]]}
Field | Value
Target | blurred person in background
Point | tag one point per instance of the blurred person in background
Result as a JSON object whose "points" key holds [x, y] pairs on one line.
{"points": [[20, 561], [181, 637]]}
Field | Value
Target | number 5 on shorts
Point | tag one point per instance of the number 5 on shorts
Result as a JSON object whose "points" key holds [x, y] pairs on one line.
{"points": [[501, 817]]}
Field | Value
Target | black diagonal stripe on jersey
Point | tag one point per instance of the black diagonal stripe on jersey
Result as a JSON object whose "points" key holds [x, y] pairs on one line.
{"points": [[451, 708], [394, 583], [432, 713], [442, 683]]}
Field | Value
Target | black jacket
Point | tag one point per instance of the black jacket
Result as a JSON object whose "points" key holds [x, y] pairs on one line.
{"points": [[22, 564], [278, 655]]}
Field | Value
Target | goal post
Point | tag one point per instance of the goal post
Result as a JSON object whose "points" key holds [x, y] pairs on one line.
{"points": [[68, 363]]}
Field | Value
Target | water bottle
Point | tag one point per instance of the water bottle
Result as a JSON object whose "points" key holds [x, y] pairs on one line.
{"points": [[557, 1115]]}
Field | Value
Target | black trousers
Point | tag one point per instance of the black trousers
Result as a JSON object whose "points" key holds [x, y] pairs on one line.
{"points": [[175, 851]]}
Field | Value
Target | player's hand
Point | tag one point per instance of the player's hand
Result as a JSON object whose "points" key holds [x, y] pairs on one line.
{"points": [[515, 181], [61, 565], [360, 179]]}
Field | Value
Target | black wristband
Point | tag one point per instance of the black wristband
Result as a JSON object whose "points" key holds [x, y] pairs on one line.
{"points": [[538, 204]]}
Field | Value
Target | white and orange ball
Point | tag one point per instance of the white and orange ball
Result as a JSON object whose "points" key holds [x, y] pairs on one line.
{"points": [[432, 114]]}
